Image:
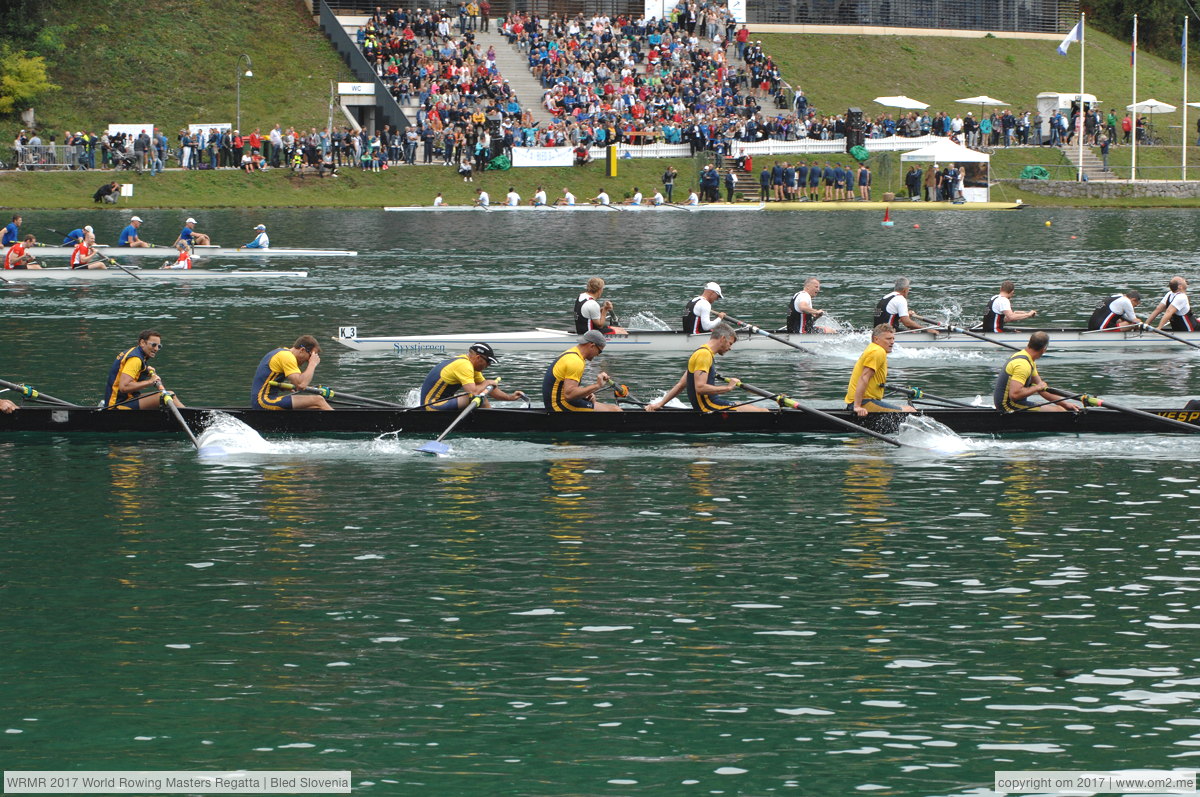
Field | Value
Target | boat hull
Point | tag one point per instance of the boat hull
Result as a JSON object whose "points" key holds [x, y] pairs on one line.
{"points": [[576, 426], [198, 252], [145, 274], [716, 208], [674, 342]]}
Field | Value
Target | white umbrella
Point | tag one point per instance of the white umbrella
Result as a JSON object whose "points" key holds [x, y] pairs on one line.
{"points": [[901, 101], [1151, 106], [981, 101]]}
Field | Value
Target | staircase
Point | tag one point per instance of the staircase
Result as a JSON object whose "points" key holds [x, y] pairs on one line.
{"points": [[1093, 167], [514, 67]]}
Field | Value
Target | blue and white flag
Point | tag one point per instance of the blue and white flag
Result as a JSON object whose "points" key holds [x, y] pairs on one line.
{"points": [[1076, 35]]}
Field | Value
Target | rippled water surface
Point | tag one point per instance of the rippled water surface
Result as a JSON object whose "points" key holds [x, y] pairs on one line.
{"points": [[620, 615]]}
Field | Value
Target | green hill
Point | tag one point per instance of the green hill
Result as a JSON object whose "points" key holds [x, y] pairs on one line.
{"points": [[171, 62]]}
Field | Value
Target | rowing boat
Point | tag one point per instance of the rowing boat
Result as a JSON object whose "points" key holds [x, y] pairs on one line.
{"points": [[713, 208], [575, 425], [672, 341], [199, 251], [151, 274]]}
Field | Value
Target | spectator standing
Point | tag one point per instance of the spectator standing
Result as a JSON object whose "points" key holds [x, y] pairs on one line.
{"points": [[485, 12], [668, 181]]}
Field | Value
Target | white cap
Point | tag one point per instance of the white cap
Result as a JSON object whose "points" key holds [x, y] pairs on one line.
{"points": [[135, 218], [89, 229], [715, 288], [190, 221], [261, 227]]}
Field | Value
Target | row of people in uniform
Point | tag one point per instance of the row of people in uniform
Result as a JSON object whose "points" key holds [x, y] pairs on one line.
{"points": [[568, 199]]}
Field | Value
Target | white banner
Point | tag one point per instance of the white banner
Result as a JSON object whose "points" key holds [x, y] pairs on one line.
{"points": [[223, 126], [738, 9], [543, 156], [656, 9], [133, 131]]}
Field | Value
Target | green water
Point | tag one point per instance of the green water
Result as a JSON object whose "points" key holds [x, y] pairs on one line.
{"points": [[606, 616]]}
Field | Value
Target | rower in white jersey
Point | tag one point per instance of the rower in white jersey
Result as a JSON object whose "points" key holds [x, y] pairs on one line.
{"points": [[1117, 312], [512, 198], [567, 198], [539, 197], [601, 198], [481, 198], [1175, 308], [693, 199], [438, 201], [657, 200], [636, 199]]}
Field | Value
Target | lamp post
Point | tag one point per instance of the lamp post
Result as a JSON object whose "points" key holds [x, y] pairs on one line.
{"points": [[248, 73]]}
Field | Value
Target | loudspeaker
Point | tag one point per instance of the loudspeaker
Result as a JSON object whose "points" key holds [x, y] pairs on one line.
{"points": [[855, 135]]}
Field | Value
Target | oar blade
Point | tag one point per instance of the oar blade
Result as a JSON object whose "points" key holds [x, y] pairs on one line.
{"points": [[435, 447]]}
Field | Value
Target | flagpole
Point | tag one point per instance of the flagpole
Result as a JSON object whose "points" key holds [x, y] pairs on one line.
{"points": [[1133, 112], [1184, 139], [1079, 116]]}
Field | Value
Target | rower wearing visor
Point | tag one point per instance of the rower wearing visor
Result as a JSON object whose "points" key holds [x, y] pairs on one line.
{"points": [[131, 373], [698, 316], [562, 386], [701, 380], [283, 365], [1019, 380], [1175, 308], [452, 383], [1117, 312]]}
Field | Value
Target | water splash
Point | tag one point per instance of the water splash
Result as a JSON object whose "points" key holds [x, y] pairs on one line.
{"points": [[921, 431]]}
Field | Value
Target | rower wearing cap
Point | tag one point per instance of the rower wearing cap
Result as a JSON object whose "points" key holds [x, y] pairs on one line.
{"points": [[1114, 310], [129, 235], [1175, 308], [701, 380], [283, 365], [261, 241], [462, 373], [131, 373], [697, 315], [864, 394], [562, 387], [1019, 380], [591, 313], [183, 261], [189, 235], [78, 235], [893, 308]]}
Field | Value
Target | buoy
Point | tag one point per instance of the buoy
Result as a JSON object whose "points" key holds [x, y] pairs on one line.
{"points": [[887, 218], [916, 226], [1073, 237], [1047, 223]]}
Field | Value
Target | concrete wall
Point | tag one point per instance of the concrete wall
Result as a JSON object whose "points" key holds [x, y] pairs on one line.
{"points": [[868, 30], [1109, 189]]}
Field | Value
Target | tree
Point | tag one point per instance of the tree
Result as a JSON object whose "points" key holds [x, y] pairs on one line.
{"points": [[23, 79]]}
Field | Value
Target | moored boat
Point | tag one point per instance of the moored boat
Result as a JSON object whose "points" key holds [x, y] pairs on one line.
{"points": [[144, 274], [198, 252]]}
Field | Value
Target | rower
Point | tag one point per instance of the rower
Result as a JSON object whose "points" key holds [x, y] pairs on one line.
{"points": [[183, 261], [438, 201], [893, 308], [462, 373], [636, 199], [693, 199], [697, 315], [129, 235], [657, 200], [539, 197], [481, 198], [802, 316], [701, 380], [83, 256], [12, 232], [562, 388], [999, 310], [567, 198], [261, 240], [512, 198], [77, 235], [1019, 380], [18, 255], [131, 373], [864, 394], [283, 365], [601, 198], [1175, 308], [189, 235], [1113, 310], [591, 313]]}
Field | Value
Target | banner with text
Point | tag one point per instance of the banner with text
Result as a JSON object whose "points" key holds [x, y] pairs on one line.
{"points": [[543, 156]]}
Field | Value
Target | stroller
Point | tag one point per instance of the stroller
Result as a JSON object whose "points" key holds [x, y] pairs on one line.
{"points": [[125, 161]]}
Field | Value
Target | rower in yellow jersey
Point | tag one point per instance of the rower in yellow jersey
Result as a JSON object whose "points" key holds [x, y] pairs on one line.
{"points": [[562, 387], [131, 373], [701, 380], [450, 385], [283, 365], [864, 394], [1020, 380]]}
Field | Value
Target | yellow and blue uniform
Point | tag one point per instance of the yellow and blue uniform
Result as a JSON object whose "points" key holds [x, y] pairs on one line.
{"points": [[444, 381], [569, 365], [131, 362], [276, 365], [1020, 367], [874, 357], [702, 360]]}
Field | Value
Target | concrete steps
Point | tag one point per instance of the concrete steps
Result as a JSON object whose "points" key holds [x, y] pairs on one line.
{"points": [[514, 67], [1093, 167]]}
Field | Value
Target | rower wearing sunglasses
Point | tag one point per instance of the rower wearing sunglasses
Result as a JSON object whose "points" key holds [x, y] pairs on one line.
{"points": [[284, 365], [131, 373]]}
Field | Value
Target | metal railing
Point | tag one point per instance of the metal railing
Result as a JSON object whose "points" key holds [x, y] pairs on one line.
{"points": [[386, 104], [51, 156]]}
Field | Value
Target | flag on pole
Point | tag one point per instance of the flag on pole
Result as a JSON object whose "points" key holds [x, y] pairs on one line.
{"points": [[1076, 35], [1185, 48], [1133, 53]]}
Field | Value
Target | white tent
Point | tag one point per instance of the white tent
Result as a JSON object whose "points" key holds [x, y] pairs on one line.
{"points": [[945, 151]]}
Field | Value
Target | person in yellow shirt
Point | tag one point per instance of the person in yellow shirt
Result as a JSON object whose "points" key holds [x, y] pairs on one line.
{"points": [[131, 373], [283, 365], [453, 382], [701, 380], [865, 391], [1019, 380], [562, 387]]}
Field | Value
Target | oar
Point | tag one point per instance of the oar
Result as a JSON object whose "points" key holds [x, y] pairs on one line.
{"points": [[1092, 401], [621, 394], [966, 332], [35, 395], [168, 398], [127, 271], [330, 393], [918, 393], [758, 331], [784, 401], [437, 446], [1169, 335]]}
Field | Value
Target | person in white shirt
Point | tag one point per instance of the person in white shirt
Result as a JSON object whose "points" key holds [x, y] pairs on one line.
{"points": [[512, 198], [261, 241], [591, 313], [893, 308], [184, 260], [693, 199], [1114, 309], [601, 198], [802, 317], [1175, 308], [1000, 310], [438, 201], [697, 315], [657, 199], [481, 198], [636, 199], [539, 197], [567, 198]]}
